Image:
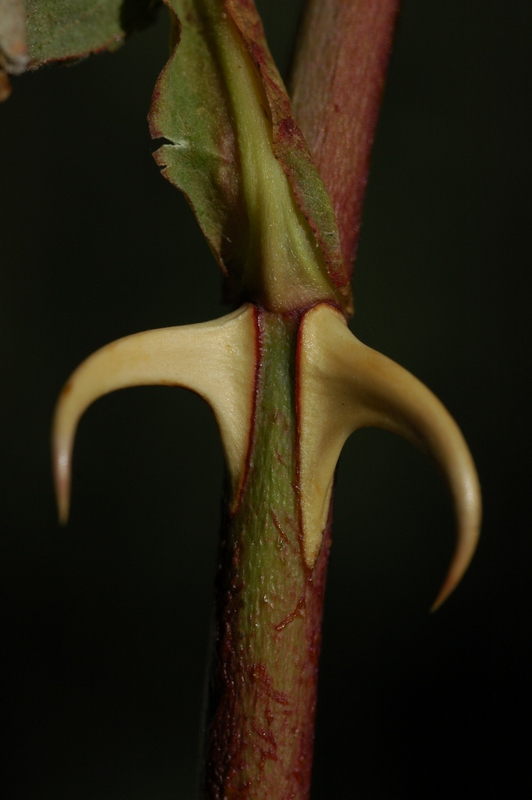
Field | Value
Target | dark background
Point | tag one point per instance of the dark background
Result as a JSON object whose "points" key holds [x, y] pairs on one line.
{"points": [[105, 623]]}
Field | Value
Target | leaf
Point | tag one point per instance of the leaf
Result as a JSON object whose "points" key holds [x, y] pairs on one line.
{"points": [[60, 30], [191, 110], [290, 147], [235, 150]]}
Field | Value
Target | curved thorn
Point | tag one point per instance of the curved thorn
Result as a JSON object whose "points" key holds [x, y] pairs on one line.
{"points": [[214, 359], [345, 386]]}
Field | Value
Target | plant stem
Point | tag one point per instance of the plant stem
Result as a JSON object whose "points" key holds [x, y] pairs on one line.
{"points": [[337, 84], [269, 604]]}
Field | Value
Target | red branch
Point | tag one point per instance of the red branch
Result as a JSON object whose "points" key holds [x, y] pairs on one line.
{"points": [[337, 83]]}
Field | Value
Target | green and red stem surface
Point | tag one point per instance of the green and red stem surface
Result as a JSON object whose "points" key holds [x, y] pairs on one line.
{"points": [[269, 603]]}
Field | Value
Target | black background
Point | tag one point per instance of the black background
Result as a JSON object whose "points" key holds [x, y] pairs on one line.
{"points": [[105, 624]]}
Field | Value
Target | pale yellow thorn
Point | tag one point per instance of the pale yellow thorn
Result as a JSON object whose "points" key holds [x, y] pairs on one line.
{"points": [[343, 386], [214, 359]]}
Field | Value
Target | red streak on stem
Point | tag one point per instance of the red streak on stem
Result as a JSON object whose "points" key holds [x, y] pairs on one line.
{"points": [[298, 611], [279, 528], [258, 352]]}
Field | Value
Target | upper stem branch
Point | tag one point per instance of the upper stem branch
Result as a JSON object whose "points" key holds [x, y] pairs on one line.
{"points": [[337, 82]]}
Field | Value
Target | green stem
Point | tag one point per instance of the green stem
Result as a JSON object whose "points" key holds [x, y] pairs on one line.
{"points": [[269, 604]]}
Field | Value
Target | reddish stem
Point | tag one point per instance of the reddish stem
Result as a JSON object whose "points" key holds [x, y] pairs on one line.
{"points": [[260, 727], [337, 82], [262, 699]]}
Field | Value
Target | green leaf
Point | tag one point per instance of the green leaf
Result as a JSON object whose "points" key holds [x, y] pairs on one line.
{"points": [[59, 30], [236, 152], [191, 110], [291, 150]]}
